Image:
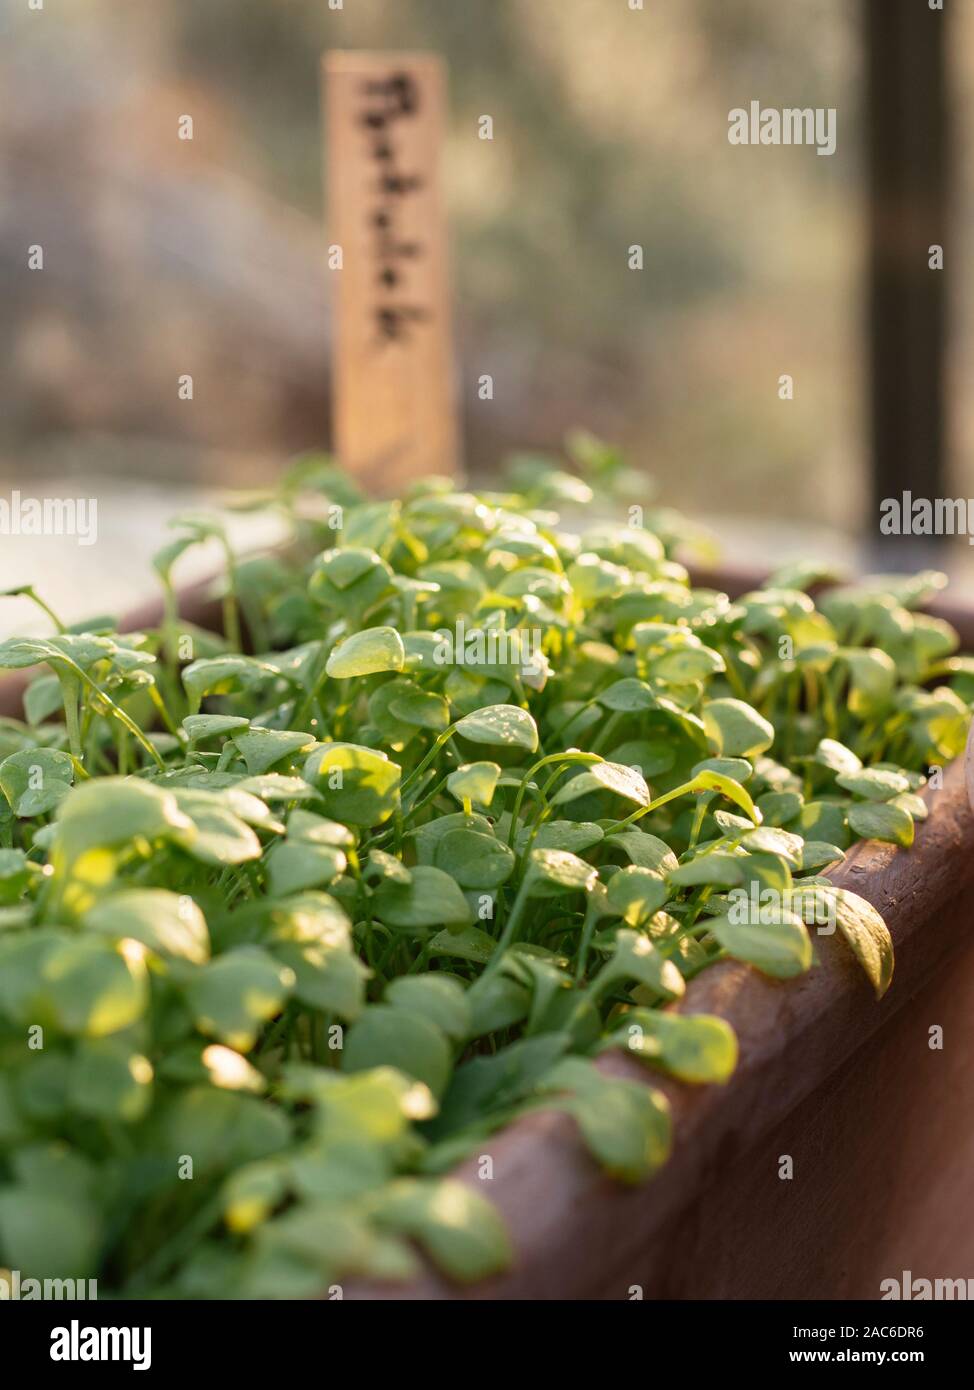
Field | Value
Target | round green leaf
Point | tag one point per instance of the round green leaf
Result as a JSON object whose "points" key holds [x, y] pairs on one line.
{"points": [[295, 865], [92, 989], [459, 1230], [236, 994], [871, 783], [36, 780], [736, 728], [613, 777], [328, 978], [423, 709], [111, 811], [780, 948], [434, 996], [217, 835], [356, 785], [558, 870], [636, 894], [882, 821], [430, 899], [170, 924], [364, 653], [474, 782], [262, 749], [504, 726], [474, 860], [387, 1036], [110, 1081], [698, 1048]]}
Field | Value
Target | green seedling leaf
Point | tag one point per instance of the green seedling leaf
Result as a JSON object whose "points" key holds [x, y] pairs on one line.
{"points": [[837, 757], [42, 698], [867, 934], [636, 958], [496, 1002], [36, 780], [613, 777], [222, 674], [474, 782], [350, 578], [825, 820], [431, 899], [263, 749], [169, 924], [49, 1235], [217, 835], [473, 860], [636, 895], [779, 808], [307, 827], [736, 728], [574, 835], [221, 1129], [502, 726], [698, 1048], [111, 1082], [236, 994], [912, 804], [326, 977], [458, 1229], [872, 675], [428, 836], [293, 866], [737, 769], [422, 709], [872, 784], [93, 988], [715, 781], [628, 696], [365, 653], [816, 854], [273, 787], [310, 918], [555, 871], [689, 665], [388, 1036], [648, 851], [882, 821], [720, 870], [382, 865], [200, 727], [771, 840], [355, 785], [470, 943], [434, 996], [780, 947], [195, 1062], [115, 811], [15, 874], [626, 1125], [490, 1084]]}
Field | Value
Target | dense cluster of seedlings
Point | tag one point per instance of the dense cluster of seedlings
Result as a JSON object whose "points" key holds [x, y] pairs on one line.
{"points": [[284, 935]]}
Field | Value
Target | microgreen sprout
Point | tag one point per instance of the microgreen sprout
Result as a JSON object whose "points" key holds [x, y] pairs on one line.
{"points": [[306, 923]]}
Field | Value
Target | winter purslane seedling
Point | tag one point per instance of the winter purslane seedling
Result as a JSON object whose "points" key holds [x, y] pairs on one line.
{"points": [[286, 933]]}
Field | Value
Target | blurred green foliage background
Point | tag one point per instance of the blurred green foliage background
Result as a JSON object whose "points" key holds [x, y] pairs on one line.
{"points": [[610, 130]]}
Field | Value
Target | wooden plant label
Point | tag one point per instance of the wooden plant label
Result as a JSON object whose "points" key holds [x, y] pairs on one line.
{"points": [[393, 372]]}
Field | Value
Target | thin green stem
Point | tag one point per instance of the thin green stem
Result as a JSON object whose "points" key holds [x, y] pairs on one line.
{"points": [[509, 933]]}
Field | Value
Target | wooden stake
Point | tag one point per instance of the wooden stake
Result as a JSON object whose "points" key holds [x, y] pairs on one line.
{"points": [[393, 370]]}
